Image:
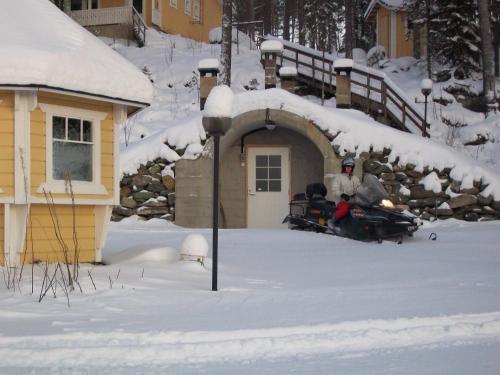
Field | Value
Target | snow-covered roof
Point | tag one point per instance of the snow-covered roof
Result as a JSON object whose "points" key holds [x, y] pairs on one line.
{"points": [[40, 46], [389, 4], [354, 132]]}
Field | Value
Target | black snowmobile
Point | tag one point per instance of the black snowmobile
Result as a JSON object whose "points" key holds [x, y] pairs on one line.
{"points": [[372, 216]]}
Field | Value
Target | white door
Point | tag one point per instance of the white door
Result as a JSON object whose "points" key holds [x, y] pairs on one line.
{"points": [[268, 179], [156, 12]]}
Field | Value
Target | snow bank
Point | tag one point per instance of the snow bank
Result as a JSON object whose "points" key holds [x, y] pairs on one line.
{"points": [[42, 46]]}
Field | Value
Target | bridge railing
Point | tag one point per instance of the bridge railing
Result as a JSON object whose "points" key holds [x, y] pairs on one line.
{"points": [[371, 87]]}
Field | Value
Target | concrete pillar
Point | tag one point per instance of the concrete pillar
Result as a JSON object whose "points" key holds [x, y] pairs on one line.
{"points": [[209, 70], [270, 50], [288, 75], [343, 68]]}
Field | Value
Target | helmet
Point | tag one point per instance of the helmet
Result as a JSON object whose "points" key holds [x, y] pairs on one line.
{"points": [[348, 162]]}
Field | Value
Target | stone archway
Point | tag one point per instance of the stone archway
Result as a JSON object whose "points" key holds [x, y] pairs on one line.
{"points": [[194, 177]]}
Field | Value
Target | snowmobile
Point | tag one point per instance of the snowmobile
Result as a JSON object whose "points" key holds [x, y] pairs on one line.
{"points": [[372, 216]]}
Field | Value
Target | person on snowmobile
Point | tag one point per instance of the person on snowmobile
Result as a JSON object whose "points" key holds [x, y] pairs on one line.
{"points": [[345, 182]]}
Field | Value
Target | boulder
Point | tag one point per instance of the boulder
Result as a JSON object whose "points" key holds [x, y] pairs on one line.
{"points": [[462, 201], [426, 202], [471, 191], [495, 205], [155, 187], [141, 181], [156, 202], [125, 191], [123, 211], [414, 174], [375, 167], [168, 182], [155, 168], [171, 199], [128, 202], [419, 192], [142, 196], [149, 211], [386, 176]]}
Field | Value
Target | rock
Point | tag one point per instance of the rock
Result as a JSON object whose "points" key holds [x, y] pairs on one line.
{"points": [[142, 170], [388, 176], [168, 182], [155, 187], [419, 192], [128, 202], [171, 199], [375, 167], [471, 216], [472, 191], [414, 174], [426, 202], [142, 196], [147, 211], [141, 181], [427, 216], [117, 217], [168, 217], [495, 205], [401, 177], [125, 191], [123, 211], [455, 186], [444, 212], [155, 168], [462, 201], [156, 202]]}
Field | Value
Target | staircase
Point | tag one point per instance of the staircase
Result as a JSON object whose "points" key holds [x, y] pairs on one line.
{"points": [[372, 91]]}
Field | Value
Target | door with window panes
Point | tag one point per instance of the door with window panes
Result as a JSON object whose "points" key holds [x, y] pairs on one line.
{"points": [[268, 183]]}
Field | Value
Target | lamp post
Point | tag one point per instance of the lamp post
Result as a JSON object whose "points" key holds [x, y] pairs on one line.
{"points": [[426, 86], [216, 127]]}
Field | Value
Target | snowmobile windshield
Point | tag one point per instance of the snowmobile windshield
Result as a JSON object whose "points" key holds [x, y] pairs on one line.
{"points": [[370, 192]]}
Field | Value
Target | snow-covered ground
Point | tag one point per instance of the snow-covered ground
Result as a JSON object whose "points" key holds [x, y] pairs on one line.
{"points": [[289, 302]]}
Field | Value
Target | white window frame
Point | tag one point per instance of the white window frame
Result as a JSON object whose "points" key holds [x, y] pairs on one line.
{"points": [[188, 6], [93, 187], [173, 4]]}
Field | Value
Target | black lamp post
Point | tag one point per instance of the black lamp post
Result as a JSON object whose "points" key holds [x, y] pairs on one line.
{"points": [[216, 127], [426, 91]]}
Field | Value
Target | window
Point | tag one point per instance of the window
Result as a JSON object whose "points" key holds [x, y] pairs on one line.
{"points": [[187, 7], [197, 10], [268, 173], [71, 149], [173, 3]]}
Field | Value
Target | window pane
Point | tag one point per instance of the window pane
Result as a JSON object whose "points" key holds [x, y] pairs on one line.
{"points": [[275, 173], [261, 173], [58, 127], [74, 130], [72, 160], [87, 131], [275, 185], [275, 160], [261, 160], [261, 185]]}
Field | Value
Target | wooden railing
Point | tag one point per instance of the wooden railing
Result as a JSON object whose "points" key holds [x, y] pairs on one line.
{"points": [[139, 27], [371, 89], [103, 16]]}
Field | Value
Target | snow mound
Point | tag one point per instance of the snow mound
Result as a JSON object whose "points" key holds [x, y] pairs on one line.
{"points": [[42, 46], [144, 254], [194, 245], [219, 102]]}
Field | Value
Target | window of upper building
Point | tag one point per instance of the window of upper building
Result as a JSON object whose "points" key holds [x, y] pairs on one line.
{"points": [[187, 7], [173, 3], [73, 150], [197, 10]]}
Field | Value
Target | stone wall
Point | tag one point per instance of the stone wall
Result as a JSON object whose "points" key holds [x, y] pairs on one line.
{"points": [[406, 188], [150, 193]]}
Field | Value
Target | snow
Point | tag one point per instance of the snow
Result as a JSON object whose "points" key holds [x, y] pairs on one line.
{"points": [[271, 46], [432, 183], [194, 244], [288, 71], [42, 46], [208, 64], [427, 84], [288, 302], [219, 103], [343, 63]]}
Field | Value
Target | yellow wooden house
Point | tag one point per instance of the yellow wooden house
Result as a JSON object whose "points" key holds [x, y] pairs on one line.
{"points": [[63, 97], [393, 30], [190, 18]]}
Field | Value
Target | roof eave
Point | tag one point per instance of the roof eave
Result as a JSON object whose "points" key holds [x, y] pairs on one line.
{"points": [[88, 95]]}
